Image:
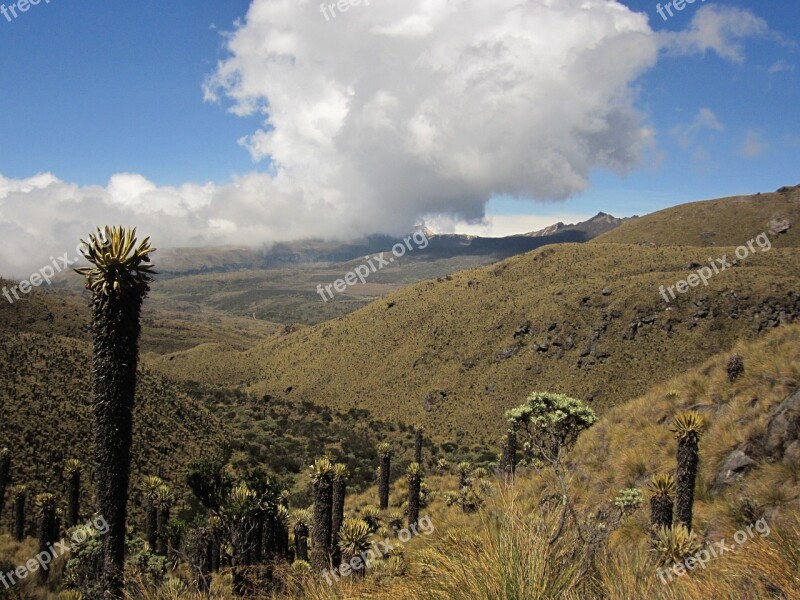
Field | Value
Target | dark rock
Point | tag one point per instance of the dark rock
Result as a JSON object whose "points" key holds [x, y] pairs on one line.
{"points": [[783, 428], [691, 266], [523, 330], [433, 398], [737, 463], [649, 320], [506, 353], [633, 329]]}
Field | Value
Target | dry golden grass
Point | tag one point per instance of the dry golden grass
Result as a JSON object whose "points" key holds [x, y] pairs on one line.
{"points": [[723, 222], [502, 552], [396, 355]]}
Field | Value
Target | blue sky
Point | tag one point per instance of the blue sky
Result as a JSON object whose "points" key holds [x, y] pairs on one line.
{"points": [[94, 88], [97, 88]]}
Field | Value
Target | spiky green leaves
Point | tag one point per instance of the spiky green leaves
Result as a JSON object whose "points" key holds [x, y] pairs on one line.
{"points": [[414, 471], [674, 544], [241, 500], [72, 466], [149, 484], [395, 520], [301, 568], [340, 472], [45, 502], [372, 517], [118, 264], [385, 449], [162, 496], [322, 468], [302, 517], [688, 424], [354, 536], [662, 485], [662, 489]]}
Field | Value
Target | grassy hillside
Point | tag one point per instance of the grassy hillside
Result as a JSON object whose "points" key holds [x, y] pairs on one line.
{"points": [[47, 416], [286, 436], [167, 326], [502, 551], [586, 320], [47, 419], [724, 222]]}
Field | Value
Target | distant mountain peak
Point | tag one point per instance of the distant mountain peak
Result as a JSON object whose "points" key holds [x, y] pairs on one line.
{"points": [[598, 224], [426, 231]]}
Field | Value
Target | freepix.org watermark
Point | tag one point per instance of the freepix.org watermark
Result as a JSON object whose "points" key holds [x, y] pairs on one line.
{"points": [[378, 550], [714, 550], [11, 11], [43, 275], [717, 265], [360, 273], [676, 4], [95, 527], [341, 5]]}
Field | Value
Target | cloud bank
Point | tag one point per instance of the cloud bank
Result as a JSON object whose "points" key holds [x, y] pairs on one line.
{"points": [[384, 115]]}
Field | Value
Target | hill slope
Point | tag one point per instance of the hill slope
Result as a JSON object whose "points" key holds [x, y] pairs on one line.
{"points": [[47, 415], [586, 320], [724, 222], [167, 326]]}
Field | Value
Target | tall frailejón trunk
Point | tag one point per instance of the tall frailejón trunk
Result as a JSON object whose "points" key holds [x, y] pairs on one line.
{"points": [[511, 448], [301, 541], [73, 474], [323, 515], [20, 497], [686, 475], [118, 280], [46, 503], [339, 492], [5, 476], [418, 445], [386, 465], [688, 427], [414, 483]]}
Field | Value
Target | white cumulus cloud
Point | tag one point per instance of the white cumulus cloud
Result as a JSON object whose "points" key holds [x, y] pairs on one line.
{"points": [[387, 114]]}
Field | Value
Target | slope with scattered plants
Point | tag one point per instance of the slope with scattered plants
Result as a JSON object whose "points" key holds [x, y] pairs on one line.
{"points": [[586, 320]]}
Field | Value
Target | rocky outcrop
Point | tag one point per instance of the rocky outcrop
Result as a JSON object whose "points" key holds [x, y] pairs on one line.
{"points": [[782, 436], [778, 226], [736, 464]]}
